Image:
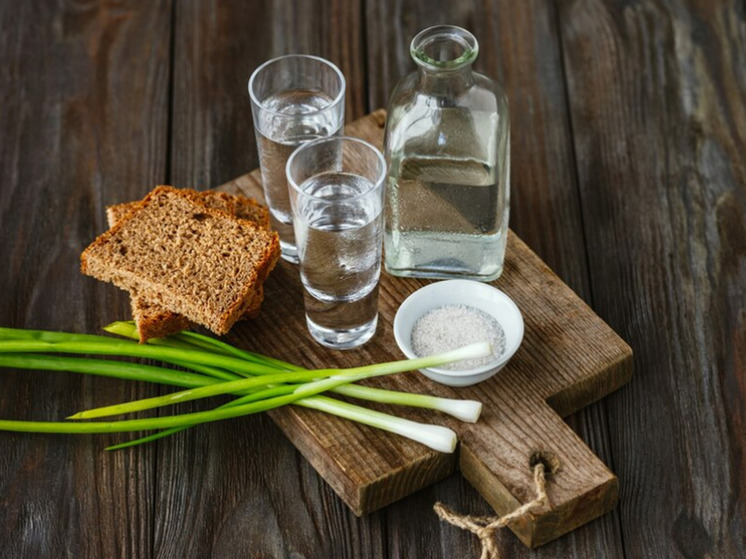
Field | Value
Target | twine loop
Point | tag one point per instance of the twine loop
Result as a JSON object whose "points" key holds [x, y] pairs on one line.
{"points": [[485, 527]]}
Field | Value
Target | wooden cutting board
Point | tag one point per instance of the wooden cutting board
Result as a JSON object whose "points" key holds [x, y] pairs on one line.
{"points": [[568, 359]]}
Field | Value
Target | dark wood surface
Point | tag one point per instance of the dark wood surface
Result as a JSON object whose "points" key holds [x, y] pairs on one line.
{"points": [[628, 179]]}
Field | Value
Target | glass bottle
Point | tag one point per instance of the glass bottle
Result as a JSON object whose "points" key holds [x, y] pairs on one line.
{"points": [[448, 156]]}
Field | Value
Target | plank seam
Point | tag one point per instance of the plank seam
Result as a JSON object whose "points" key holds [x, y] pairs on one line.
{"points": [[366, 63], [170, 95], [576, 180], [158, 451], [384, 526]]}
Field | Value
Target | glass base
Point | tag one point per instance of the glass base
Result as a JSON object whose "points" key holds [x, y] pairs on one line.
{"points": [[346, 338], [287, 237], [442, 274], [289, 252]]}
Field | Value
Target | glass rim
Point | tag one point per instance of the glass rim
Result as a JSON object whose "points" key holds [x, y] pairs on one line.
{"points": [[341, 139], [340, 96], [454, 32]]}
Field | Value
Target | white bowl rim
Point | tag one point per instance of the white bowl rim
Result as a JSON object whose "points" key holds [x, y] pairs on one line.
{"points": [[495, 365]]}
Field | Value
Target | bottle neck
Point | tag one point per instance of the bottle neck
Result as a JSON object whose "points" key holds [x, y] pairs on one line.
{"points": [[452, 82]]}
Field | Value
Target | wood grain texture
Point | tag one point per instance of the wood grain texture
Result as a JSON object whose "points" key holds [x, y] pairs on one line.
{"points": [[520, 46], [239, 489], [628, 180], [83, 123], [568, 355], [217, 45], [657, 97]]}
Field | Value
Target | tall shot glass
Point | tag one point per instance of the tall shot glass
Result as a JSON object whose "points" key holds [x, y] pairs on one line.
{"points": [[336, 193], [294, 99]]}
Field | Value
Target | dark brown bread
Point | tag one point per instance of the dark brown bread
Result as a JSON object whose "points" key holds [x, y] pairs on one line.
{"points": [[180, 254], [239, 206], [154, 321], [248, 208]]}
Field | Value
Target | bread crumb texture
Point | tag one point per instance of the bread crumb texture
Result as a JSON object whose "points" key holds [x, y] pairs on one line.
{"points": [[178, 252]]}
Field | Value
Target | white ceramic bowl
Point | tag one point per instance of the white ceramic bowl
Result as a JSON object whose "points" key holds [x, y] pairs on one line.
{"points": [[460, 292]]}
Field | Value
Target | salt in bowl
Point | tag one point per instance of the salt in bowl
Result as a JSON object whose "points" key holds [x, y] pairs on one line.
{"points": [[470, 293]]}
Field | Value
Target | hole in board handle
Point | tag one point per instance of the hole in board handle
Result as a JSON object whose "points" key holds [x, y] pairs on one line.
{"points": [[549, 459]]}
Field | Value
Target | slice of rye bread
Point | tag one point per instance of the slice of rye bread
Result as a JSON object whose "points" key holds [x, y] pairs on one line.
{"points": [[181, 254], [239, 206], [154, 321]]}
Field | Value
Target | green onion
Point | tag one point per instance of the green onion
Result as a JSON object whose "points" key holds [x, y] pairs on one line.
{"points": [[104, 368], [434, 436], [219, 370], [192, 340], [129, 349], [465, 410], [333, 378]]}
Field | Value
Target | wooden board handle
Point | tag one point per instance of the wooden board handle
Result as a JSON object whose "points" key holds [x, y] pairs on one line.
{"points": [[580, 487]]}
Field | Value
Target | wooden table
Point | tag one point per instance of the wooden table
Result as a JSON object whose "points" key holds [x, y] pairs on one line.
{"points": [[628, 179]]}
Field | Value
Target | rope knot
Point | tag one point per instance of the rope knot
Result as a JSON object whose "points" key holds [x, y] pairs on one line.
{"points": [[485, 527]]}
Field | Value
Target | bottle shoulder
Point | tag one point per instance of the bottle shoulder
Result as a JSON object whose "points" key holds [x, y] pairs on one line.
{"points": [[485, 83], [404, 90], [480, 94], [463, 122]]}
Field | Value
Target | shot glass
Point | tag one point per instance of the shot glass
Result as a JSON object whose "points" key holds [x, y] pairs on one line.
{"points": [[294, 99], [336, 194]]}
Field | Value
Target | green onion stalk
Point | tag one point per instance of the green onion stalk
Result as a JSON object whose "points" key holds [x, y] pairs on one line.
{"points": [[260, 382]]}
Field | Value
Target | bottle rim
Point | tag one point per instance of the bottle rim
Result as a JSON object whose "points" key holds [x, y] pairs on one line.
{"points": [[462, 38]]}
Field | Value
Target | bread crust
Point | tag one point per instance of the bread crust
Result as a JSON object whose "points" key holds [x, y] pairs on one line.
{"points": [[247, 298], [154, 321]]}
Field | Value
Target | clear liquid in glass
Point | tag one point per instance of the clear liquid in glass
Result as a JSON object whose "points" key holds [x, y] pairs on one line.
{"points": [[340, 252], [278, 136]]}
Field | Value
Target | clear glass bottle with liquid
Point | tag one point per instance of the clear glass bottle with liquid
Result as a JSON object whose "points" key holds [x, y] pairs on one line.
{"points": [[448, 156]]}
